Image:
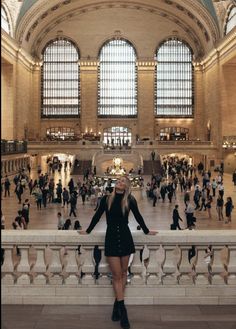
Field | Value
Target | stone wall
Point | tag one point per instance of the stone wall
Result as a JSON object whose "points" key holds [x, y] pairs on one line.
{"points": [[45, 274]]}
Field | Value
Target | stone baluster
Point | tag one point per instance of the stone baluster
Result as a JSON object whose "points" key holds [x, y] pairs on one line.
{"points": [[55, 267], [153, 268], [23, 268], [203, 276], [8, 267], [232, 265], [88, 265], [104, 269], [186, 267], [71, 267], [217, 267], [39, 268], [170, 266], [137, 268]]}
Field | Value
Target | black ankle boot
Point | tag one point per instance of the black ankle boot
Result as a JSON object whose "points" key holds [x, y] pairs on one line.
{"points": [[116, 312], [124, 321]]}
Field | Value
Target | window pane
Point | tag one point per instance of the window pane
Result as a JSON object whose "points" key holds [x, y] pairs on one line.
{"points": [[60, 79], [117, 80], [231, 21], [174, 79]]}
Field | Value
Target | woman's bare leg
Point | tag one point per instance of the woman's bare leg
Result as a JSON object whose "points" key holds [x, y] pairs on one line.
{"points": [[119, 267]]}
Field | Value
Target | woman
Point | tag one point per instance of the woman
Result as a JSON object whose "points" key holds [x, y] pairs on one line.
{"points": [[119, 243]]}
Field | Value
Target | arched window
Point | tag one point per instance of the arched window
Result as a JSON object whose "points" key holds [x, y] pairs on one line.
{"points": [[174, 80], [60, 80], [117, 83], [231, 20], [5, 22]]}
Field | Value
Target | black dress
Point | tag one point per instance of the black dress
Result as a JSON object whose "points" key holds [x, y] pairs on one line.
{"points": [[118, 240]]}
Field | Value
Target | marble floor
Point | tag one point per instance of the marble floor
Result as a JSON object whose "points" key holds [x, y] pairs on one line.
{"points": [[158, 218], [141, 317]]}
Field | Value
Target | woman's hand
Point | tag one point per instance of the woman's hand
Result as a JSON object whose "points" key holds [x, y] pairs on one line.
{"points": [[152, 232], [82, 232]]}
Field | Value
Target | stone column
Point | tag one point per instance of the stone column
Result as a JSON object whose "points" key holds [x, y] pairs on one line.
{"points": [[89, 95], [146, 78]]}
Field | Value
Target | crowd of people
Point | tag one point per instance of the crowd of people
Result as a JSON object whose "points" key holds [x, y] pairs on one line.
{"points": [[179, 174], [206, 190]]}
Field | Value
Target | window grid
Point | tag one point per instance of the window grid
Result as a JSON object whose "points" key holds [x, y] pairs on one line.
{"points": [[231, 20], [5, 24], [174, 83], [117, 82], [119, 135], [60, 83]]}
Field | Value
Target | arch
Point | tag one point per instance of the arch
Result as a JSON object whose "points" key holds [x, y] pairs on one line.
{"points": [[60, 79], [230, 21], [6, 22], [117, 79], [174, 79]]}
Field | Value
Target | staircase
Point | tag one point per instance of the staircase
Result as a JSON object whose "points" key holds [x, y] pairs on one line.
{"points": [[82, 166], [150, 167]]}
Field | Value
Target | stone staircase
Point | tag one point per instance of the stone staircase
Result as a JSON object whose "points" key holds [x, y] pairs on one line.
{"points": [[81, 167], [150, 167]]}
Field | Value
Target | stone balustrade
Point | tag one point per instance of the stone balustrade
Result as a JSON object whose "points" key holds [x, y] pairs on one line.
{"points": [[58, 267]]}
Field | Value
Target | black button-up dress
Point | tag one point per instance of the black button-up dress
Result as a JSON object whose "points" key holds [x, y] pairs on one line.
{"points": [[118, 240]]}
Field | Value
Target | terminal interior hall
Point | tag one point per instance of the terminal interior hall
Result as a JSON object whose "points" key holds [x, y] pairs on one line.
{"points": [[94, 90]]}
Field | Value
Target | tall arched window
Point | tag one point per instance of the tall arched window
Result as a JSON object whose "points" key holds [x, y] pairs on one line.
{"points": [[231, 20], [60, 79], [5, 22], [174, 80], [117, 85]]}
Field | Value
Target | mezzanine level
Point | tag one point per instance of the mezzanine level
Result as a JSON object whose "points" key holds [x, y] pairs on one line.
{"points": [[45, 274]]}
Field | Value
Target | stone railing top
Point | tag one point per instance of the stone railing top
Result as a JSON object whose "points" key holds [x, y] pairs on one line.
{"points": [[54, 237]]}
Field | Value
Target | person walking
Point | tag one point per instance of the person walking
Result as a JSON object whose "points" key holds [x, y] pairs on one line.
{"points": [[119, 243], [176, 217]]}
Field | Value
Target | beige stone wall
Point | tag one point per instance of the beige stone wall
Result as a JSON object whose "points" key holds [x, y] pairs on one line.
{"points": [[7, 103], [228, 100]]}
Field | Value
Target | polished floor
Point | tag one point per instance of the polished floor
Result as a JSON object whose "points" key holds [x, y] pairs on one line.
{"points": [[158, 218], [98, 317]]}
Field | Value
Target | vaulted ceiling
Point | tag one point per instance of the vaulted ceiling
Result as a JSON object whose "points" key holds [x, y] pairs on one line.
{"points": [[192, 20]]}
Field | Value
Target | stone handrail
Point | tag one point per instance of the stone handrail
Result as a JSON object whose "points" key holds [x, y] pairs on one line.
{"points": [[48, 268]]}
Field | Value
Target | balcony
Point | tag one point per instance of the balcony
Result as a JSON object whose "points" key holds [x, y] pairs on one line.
{"points": [[13, 147], [47, 273]]}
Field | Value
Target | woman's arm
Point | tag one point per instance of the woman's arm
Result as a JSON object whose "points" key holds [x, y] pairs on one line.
{"points": [[97, 215], [134, 207]]}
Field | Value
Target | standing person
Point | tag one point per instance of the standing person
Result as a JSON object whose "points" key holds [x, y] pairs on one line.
{"points": [[60, 221], [73, 202], [214, 186], [189, 215], [65, 197], [219, 207], [19, 191], [83, 192], [176, 217], [119, 243], [234, 177], [208, 205], [25, 211], [7, 185], [228, 209], [37, 192]]}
